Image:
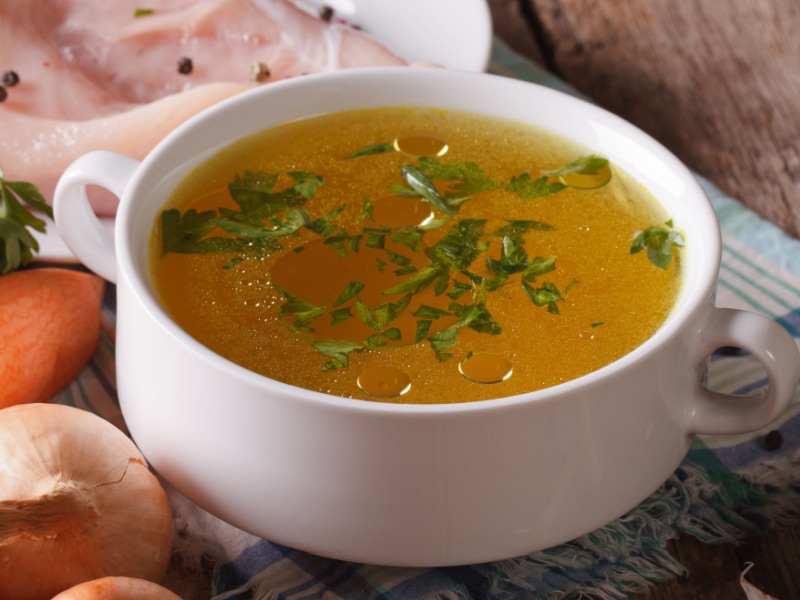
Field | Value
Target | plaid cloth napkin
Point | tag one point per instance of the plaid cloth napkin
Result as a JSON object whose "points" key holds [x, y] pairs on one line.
{"points": [[725, 489]]}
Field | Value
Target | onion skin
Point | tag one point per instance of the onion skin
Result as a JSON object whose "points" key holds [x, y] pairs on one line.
{"points": [[117, 588], [77, 503]]}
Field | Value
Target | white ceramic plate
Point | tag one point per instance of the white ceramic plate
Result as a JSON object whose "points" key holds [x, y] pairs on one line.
{"points": [[456, 34]]}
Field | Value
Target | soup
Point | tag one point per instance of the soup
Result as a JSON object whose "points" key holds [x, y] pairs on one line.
{"points": [[415, 255]]}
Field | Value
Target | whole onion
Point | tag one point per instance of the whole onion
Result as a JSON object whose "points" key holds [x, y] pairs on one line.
{"points": [[77, 502]]}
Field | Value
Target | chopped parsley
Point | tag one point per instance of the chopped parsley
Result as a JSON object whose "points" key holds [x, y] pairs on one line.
{"points": [[272, 208]]}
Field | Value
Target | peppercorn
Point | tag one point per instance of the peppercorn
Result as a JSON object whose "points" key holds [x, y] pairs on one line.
{"points": [[10, 78], [3, 94], [259, 72], [772, 441], [326, 13], [185, 66]]}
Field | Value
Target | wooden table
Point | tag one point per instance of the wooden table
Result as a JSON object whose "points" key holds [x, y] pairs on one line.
{"points": [[718, 82]]}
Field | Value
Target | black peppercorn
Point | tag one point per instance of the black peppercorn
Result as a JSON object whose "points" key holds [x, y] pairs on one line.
{"points": [[185, 66], [3, 93], [326, 13], [10, 78], [772, 441]]}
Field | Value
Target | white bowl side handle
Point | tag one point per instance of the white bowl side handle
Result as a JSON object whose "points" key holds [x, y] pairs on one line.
{"points": [[718, 413], [83, 233]]}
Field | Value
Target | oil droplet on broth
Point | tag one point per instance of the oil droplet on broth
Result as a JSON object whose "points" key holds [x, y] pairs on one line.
{"points": [[420, 144], [587, 181], [395, 211], [485, 367], [384, 382]]}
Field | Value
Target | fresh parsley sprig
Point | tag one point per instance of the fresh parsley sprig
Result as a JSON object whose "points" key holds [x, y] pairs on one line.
{"points": [[658, 242], [17, 243]]}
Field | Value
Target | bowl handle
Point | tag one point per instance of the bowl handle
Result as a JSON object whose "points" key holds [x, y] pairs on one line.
{"points": [[80, 228], [718, 413]]}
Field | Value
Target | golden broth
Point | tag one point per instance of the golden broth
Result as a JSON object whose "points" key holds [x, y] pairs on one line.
{"points": [[354, 280]]}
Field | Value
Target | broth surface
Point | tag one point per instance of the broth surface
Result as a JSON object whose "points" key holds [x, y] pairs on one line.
{"points": [[349, 275]]}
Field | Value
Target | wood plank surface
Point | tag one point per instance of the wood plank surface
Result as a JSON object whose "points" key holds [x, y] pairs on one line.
{"points": [[718, 83]]}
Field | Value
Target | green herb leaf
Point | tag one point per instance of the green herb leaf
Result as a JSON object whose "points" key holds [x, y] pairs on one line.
{"points": [[537, 267], [302, 312], [658, 242], [384, 314], [513, 258], [17, 243], [546, 295], [372, 150], [350, 291], [366, 211], [459, 289], [338, 350], [516, 229], [324, 226], [307, 183], [526, 188], [393, 334], [375, 341], [423, 186], [586, 165], [376, 240], [344, 243], [340, 314], [460, 246], [475, 316], [254, 192], [444, 340], [430, 312], [142, 12], [398, 259], [181, 233], [409, 236], [469, 177], [417, 282]]}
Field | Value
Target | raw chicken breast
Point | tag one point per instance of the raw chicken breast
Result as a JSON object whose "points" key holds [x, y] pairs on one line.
{"points": [[95, 76]]}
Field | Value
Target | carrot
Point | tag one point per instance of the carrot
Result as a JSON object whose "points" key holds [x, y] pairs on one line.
{"points": [[117, 588], [49, 328]]}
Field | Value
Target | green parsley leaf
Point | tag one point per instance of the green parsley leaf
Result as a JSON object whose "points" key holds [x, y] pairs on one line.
{"points": [[418, 281], [142, 12], [444, 340], [460, 246], [303, 312], [181, 233], [526, 188], [17, 243], [430, 312], [372, 150], [338, 350], [350, 291], [658, 242], [513, 258], [469, 177], [537, 267], [307, 183], [546, 295], [340, 314], [423, 186], [459, 289], [586, 165], [384, 314]]}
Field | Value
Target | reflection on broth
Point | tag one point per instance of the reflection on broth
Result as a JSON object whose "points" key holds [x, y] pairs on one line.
{"points": [[415, 255]]}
